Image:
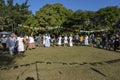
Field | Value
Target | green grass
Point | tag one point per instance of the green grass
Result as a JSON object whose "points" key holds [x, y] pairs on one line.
{"points": [[65, 63]]}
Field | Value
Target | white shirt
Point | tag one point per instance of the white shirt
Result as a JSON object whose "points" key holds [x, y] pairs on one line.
{"points": [[4, 40], [31, 40]]}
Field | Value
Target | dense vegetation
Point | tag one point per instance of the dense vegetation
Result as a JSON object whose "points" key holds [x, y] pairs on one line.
{"points": [[55, 18]]}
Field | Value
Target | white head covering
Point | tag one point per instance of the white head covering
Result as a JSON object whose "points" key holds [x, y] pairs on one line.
{"points": [[4, 35]]}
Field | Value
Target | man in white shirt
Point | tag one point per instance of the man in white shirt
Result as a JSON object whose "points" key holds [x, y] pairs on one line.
{"points": [[4, 42], [11, 40]]}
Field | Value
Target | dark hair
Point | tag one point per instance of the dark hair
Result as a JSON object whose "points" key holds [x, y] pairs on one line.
{"points": [[29, 78]]}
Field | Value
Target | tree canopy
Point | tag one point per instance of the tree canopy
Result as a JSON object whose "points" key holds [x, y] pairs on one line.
{"points": [[105, 18], [13, 14], [52, 15], [57, 18]]}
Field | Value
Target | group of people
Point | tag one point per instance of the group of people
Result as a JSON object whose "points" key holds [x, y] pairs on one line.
{"points": [[48, 40], [19, 43], [108, 41]]}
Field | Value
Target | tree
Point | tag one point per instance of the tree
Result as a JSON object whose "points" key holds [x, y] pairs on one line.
{"points": [[13, 13], [105, 18], [2, 2], [80, 20], [108, 17], [52, 15]]}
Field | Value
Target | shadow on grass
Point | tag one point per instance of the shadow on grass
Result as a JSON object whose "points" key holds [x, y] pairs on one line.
{"points": [[5, 61], [65, 63], [22, 73], [37, 73], [97, 71], [29, 78], [112, 61], [111, 50]]}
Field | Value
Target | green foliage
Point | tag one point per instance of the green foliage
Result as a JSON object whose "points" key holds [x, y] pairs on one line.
{"points": [[79, 20], [2, 2], [10, 3], [13, 13], [22, 30], [105, 18], [52, 15], [109, 16]]}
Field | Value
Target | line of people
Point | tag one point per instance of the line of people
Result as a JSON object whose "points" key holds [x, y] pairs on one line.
{"points": [[48, 40], [19, 43]]}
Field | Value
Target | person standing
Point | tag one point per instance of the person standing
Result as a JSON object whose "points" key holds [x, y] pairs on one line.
{"points": [[11, 43], [104, 39], [20, 44], [77, 39], [53, 40], [26, 42], [4, 42], [38, 41], [70, 40], [116, 42], [43, 38], [92, 40], [98, 41], [86, 40], [65, 40], [59, 40], [81, 40], [47, 40], [31, 42]]}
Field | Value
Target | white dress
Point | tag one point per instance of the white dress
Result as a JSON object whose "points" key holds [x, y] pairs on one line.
{"points": [[70, 41], [31, 39], [20, 44], [43, 40], [86, 41], [65, 40], [59, 40], [47, 41]]}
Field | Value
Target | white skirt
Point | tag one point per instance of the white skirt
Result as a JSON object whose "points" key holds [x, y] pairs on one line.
{"points": [[21, 46]]}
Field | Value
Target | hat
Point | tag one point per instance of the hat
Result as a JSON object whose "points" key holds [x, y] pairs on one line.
{"points": [[4, 35]]}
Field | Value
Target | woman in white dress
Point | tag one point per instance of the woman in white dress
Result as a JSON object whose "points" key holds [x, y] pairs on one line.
{"points": [[47, 41], [20, 44], [70, 41], [44, 40], [31, 42], [59, 40], [86, 40], [65, 40]]}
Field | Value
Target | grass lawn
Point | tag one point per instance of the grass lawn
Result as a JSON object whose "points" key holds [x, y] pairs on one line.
{"points": [[62, 63]]}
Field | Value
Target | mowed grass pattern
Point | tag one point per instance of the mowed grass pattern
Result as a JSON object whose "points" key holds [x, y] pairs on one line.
{"points": [[65, 63]]}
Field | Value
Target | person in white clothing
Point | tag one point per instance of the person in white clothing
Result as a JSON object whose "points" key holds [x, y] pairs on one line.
{"points": [[20, 44], [59, 40], [4, 42], [86, 40], [47, 41], [31, 42], [44, 40], [11, 40], [70, 40], [65, 40]]}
